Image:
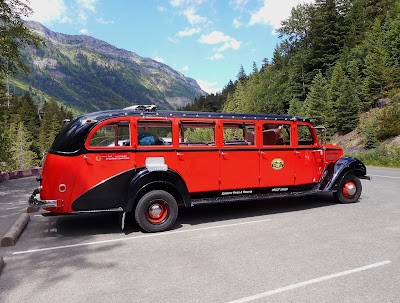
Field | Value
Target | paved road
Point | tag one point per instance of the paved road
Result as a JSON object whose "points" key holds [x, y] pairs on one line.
{"points": [[287, 250], [14, 195]]}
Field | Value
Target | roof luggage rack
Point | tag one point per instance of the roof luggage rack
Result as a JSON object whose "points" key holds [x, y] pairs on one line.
{"points": [[143, 108]]}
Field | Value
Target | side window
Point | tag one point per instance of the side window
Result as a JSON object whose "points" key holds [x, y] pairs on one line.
{"points": [[112, 135], [197, 133], [304, 135], [239, 134], [154, 132], [276, 134]]}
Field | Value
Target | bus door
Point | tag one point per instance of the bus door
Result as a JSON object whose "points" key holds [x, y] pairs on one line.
{"points": [[239, 156], [153, 141], [309, 156], [109, 154], [276, 155], [197, 155]]}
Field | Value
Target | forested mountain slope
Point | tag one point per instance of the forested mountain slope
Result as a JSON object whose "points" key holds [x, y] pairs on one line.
{"points": [[338, 63], [88, 74]]}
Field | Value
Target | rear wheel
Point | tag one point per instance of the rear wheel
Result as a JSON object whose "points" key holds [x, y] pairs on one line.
{"points": [[349, 190], [156, 211]]}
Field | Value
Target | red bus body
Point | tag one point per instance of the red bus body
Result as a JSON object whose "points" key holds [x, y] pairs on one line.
{"points": [[144, 163]]}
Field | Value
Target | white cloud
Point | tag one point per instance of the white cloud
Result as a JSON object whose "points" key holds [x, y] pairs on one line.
{"points": [[104, 21], [82, 16], [161, 9], [192, 17], [48, 11], [217, 37], [187, 32], [208, 87], [238, 4], [185, 68], [84, 31], [87, 4], [177, 3], [273, 12], [237, 23], [159, 59], [217, 56], [172, 40]]}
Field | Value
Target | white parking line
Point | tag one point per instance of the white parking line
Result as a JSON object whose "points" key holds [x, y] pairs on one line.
{"points": [[382, 171], [384, 176], [305, 283], [137, 237]]}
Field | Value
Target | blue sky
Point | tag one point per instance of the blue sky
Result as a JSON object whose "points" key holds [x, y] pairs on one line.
{"points": [[206, 40]]}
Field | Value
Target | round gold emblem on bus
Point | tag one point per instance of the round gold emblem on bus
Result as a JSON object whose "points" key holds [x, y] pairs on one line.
{"points": [[98, 158], [277, 163]]}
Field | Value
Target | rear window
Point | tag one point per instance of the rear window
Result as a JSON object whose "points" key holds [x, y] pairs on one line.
{"points": [[71, 137]]}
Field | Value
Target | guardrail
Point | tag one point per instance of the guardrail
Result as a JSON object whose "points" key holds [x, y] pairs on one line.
{"points": [[20, 174]]}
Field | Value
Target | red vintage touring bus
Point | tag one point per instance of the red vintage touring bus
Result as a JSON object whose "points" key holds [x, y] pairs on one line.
{"points": [[146, 163]]}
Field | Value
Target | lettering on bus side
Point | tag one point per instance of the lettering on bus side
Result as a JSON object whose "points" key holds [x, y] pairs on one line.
{"points": [[236, 192]]}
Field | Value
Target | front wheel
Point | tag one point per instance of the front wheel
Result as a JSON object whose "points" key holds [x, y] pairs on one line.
{"points": [[156, 211], [349, 190]]}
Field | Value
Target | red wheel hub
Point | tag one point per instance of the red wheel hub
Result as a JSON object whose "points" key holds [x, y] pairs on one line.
{"points": [[349, 189], [157, 211]]}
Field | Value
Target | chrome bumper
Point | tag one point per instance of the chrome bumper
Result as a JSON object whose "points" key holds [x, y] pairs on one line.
{"points": [[42, 203]]}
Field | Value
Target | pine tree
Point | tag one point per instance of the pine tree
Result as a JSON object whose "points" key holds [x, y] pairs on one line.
{"points": [[375, 66], [296, 108], [255, 68], [377, 10], [14, 35], [334, 93], [356, 23], [327, 34], [23, 157], [347, 108], [50, 125], [315, 103], [391, 41], [235, 102], [241, 74], [6, 160]]}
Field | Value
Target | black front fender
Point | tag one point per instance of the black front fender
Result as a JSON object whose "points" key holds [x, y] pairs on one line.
{"points": [[335, 172], [145, 181]]}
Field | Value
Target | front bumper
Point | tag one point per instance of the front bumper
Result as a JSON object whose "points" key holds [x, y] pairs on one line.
{"points": [[42, 203]]}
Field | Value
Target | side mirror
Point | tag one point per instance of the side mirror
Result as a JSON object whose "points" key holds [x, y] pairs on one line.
{"points": [[321, 133]]}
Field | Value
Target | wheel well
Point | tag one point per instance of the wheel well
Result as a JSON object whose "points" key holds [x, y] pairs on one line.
{"points": [[159, 186], [347, 172]]}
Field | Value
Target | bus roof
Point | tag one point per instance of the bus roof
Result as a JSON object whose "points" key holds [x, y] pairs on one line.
{"points": [[104, 115]]}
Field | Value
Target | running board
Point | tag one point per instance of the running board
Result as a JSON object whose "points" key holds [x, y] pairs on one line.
{"points": [[218, 200]]}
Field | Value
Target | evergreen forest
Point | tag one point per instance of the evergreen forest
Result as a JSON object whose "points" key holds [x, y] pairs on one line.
{"points": [[337, 63], [26, 129]]}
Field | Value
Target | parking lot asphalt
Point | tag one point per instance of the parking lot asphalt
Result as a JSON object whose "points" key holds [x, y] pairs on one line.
{"points": [[306, 249], [14, 196]]}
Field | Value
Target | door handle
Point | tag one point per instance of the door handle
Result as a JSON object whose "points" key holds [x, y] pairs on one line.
{"points": [[263, 154], [180, 155], [318, 151], [88, 160], [224, 155]]}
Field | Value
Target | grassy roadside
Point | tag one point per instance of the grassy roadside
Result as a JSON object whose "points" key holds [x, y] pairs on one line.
{"points": [[381, 156]]}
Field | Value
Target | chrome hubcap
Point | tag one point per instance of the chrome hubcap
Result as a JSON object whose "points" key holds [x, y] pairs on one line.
{"points": [[349, 189], [155, 211]]}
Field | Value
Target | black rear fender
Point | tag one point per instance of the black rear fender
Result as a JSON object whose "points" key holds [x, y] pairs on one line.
{"points": [[146, 181], [335, 172]]}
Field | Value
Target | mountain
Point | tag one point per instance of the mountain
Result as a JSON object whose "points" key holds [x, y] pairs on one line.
{"points": [[88, 74]]}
